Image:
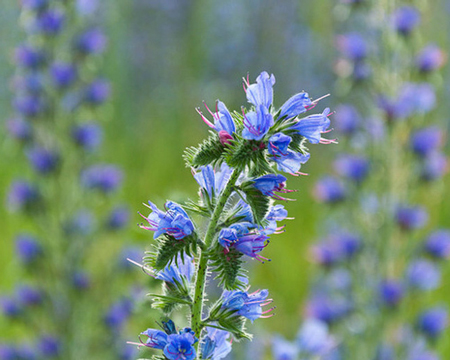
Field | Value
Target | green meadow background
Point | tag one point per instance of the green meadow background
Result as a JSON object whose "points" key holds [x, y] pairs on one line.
{"points": [[163, 59]]}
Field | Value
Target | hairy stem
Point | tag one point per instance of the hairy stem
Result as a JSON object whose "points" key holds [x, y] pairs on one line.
{"points": [[197, 306]]}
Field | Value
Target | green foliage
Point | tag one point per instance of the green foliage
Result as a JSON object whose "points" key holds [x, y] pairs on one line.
{"points": [[298, 143], [173, 296], [258, 202], [198, 209], [208, 152], [228, 266], [167, 249], [228, 320]]}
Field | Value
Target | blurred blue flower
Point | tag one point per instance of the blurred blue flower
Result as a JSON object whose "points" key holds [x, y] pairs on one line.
{"points": [[28, 56], [80, 223], [29, 105], [423, 274], [346, 119], [105, 178], [91, 41], [63, 74], [437, 244], [433, 322], [329, 189], [313, 338], [118, 313], [30, 83], [87, 135], [8, 352], [10, 307], [426, 140], [49, 346], [49, 22], [405, 19], [283, 349], [411, 217], [35, 5], [327, 308], [352, 46], [28, 248], [22, 195], [130, 252], [175, 221], [430, 58], [19, 129], [97, 92], [435, 166], [81, 280], [118, 217], [354, 167], [28, 295], [43, 161], [391, 292]]}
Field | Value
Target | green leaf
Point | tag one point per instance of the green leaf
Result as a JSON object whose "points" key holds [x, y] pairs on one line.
{"points": [[167, 249], [228, 267], [259, 203], [208, 152]]}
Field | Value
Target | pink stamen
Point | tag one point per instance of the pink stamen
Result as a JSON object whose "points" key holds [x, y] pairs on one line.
{"points": [[207, 122], [328, 141], [135, 343]]}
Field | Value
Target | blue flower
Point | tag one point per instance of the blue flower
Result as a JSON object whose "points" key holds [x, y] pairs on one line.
{"points": [[63, 74], [433, 322], [87, 135], [328, 189], [426, 140], [313, 338], [97, 92], [175, 221], [28, 248], [411, 217], [44, 161], [275, 214], [50, 22], [247, 305], [328, 309], [352, 46], [437, 244], [181, 271], [10, 307], [215, 344], [118, 313], [92, 41], [271, 183], [29, 105], [257, 124], [405, 19], [81, 280], [34, 5], [354, 167], [391, 292], [157, 339], [19, 129], [423, 274], [180, 347], [311, 127], [213, 181], [28, 295], [295, 106], [283, 349], [287, 160], [30, 57], [261, 93], [223, 120], [118, 217], [347, 119], [434, 166], [430, 58], [22, 195], [105, 178]]}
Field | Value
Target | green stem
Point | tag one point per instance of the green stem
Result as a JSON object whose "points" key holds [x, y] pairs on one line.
{"points": [[197, 306]]}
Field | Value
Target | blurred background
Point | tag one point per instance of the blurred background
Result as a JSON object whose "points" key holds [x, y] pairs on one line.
{"points": [[164, 57]]}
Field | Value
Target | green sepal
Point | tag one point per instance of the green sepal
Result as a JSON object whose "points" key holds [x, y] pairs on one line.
{"points": [[259, 203], [199, 209], [228, 320], [228, 267], [208, 152], [298, 143], [167, 249]]}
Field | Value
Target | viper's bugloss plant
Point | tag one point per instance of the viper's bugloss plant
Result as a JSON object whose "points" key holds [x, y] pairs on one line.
{"points": [[381, 255], [64, 306], [236, 169]]}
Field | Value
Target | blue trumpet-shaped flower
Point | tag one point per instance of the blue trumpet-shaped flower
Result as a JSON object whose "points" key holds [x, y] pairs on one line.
{"points": [[438, 244], [311, 127], [295, 105], [261, 93], [247, 305], [215, 344], [433, 322], [257, 124], [213, 181], [157, 339], [183, 269], [175, 221], [180, 347], [287, 160], [223, 120]]}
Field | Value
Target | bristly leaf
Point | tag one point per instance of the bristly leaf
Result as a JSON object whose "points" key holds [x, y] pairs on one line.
{"points": [[228, 266], [174, 295], [208, 152], [197, 208], [298, 143], [259, 203], [243, 153], [167, 249]]}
